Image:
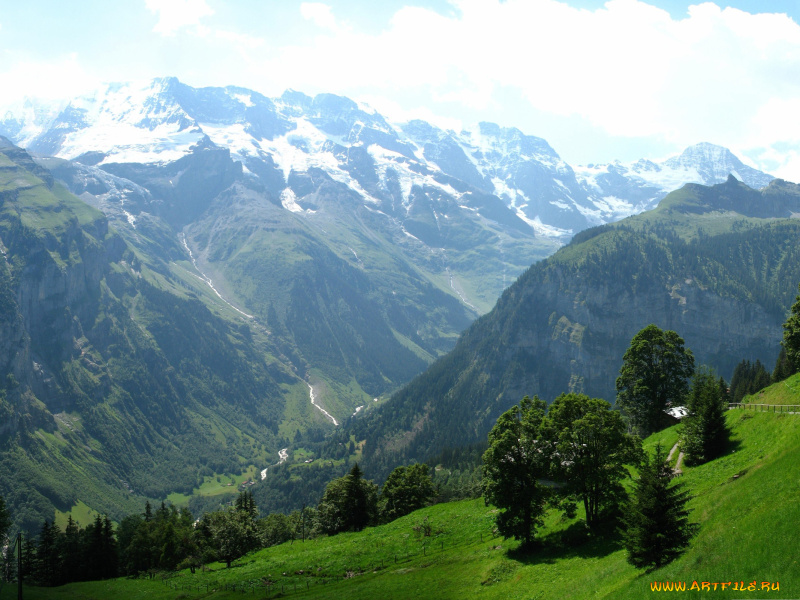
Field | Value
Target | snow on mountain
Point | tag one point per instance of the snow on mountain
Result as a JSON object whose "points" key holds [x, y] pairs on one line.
{"points": [[634, 187], [161, 121]]}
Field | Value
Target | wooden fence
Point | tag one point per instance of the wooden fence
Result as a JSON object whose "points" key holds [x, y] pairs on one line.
{"points": [[791, 409]]}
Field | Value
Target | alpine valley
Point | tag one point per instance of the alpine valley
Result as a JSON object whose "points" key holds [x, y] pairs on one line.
{"points": [[197, 279]]}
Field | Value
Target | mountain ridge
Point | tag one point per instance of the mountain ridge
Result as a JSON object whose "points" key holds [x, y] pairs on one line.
{"points": [[721, 279]]}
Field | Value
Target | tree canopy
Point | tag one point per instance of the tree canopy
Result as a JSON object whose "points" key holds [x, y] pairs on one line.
{"points": [[350, 503], [406, 490], [591, 451], [654, 374], [513, 465]]}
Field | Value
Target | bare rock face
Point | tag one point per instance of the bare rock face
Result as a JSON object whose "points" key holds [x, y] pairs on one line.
{"points": [[577, 337]]}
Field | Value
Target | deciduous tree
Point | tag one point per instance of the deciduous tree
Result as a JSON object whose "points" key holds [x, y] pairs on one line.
{"points": [[233, 534], [654, 374], [406, 489], [591, 451], [513, 465]]}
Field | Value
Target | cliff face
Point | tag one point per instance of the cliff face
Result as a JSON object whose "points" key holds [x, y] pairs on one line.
{"points": [[572, 336]]}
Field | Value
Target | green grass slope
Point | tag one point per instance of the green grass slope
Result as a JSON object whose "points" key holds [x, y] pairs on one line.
{"points": [[747, 503]]}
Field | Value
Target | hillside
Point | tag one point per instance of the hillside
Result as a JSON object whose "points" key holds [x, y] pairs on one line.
{"points": [[125, 376], [364, 246], [719, 265], [743, 501]]}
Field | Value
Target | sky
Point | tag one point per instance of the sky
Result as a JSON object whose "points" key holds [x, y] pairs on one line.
{"points": [[599, 80]]}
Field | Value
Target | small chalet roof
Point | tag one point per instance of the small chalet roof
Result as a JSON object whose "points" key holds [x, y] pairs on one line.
{"points": [[677, 412]]}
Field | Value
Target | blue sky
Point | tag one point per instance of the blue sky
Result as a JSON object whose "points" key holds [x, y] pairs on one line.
{"points": [[600, 80]]}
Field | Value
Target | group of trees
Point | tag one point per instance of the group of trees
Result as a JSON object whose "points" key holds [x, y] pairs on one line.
{"points": [[351, 503], [575, 452], [167, 538], [580, 448], [705, 433], [74, 554]]}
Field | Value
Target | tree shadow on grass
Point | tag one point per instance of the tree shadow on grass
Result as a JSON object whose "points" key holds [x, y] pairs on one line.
{"points": [[576, 541]]}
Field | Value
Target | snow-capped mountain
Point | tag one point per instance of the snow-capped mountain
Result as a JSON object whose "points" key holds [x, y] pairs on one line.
{"points": [[363, 247], [631, 188], [163, 120]]}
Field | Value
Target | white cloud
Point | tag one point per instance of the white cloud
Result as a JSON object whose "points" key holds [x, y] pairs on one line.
{"points": [[177, 14], [56, 79], [396, 113], [320, 14], [628, 68]]}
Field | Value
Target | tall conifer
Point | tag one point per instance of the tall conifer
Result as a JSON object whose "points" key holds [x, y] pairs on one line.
{"points": [[656, 524]]}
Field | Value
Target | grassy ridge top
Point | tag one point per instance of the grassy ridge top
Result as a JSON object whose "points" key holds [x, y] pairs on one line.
{"points": [[747, 502]]}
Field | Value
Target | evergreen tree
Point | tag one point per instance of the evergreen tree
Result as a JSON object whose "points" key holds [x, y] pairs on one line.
{"points": [[47, 563], [28, 557], [783, 368], [349, 503], [110, 550], [513, 465], [245, 502], [72, 563], [653, 376], [705, 431], [748, 378], [93, 549], [656, 523], [126, 532], [724, 392]]}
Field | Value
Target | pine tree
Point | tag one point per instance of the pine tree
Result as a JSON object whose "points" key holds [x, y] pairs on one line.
{"points": [[705, 431], [656, 524], [71, 565], [246, 503], [783, 368], [47, 558]]}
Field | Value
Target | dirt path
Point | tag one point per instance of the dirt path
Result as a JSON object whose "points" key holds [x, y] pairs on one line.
{"points": [[677, 470]]}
